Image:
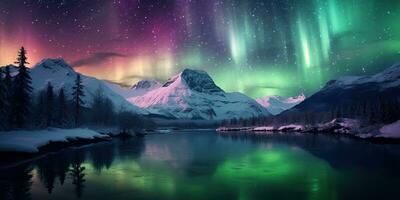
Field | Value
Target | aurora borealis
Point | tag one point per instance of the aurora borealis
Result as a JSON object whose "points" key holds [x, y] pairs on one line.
{"points": [[274, 47]]}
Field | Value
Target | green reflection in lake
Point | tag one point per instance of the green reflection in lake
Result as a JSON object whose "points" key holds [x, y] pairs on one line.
{"points": [[205, 165], [259, 173], [271, 172]]}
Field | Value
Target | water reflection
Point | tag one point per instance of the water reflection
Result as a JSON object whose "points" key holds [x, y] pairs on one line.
{"points": [[339, 152], [15, 183], [205, 165]]}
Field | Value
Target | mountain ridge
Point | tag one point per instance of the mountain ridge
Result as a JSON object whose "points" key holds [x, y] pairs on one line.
{"points": [[60, 74], [373, 97]]}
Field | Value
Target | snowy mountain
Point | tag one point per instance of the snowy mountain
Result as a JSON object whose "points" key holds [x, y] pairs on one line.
{"points": [[278, 104], [146, 85], [139, 88], [192, 94], [13, 69], [376, 96], [60, 74]]}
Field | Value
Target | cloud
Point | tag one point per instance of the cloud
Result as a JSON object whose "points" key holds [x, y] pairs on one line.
{"points": [[96, 58]]}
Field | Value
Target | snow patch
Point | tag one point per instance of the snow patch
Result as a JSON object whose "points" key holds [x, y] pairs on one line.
{"points": [[390, 130], [264, 128], [291, 127]]}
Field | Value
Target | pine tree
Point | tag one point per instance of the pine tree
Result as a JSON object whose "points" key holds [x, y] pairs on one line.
{"points": [[40, 112], [62, 108], [22, 91], [98, 107], [8, 79], [3, 103], [77, 173], [77, 94], [108, 111], [8, 89], [49, 105], [102, 109]]}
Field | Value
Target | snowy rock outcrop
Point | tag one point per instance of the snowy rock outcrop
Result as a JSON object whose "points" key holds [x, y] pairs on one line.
{"points": [[340, 126]]}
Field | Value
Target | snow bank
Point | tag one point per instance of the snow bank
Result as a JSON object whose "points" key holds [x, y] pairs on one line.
{"points": [[291, 127], [264, 128], [390, 131], [344, 126], [31, 141]]}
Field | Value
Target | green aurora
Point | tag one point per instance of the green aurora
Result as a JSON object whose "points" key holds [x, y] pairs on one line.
{"points": [[258, 47], [299, 45]]}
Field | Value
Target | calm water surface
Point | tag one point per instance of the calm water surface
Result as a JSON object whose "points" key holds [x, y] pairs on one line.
{"points": [[207, 165]]}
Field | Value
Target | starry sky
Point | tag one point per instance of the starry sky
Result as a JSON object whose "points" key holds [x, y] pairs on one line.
{"points": [[258, 47]]}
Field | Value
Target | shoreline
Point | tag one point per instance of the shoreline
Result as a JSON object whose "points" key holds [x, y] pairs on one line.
{"points": [[12, 158], [9, 158], [378, 133], [375, 140]]}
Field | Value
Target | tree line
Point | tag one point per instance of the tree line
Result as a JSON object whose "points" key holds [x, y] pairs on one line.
{"points": [[383, 107], [21, 108]]}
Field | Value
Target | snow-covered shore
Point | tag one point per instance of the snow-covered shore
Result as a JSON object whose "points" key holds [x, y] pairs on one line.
{"points": [[342, 126], [30, 141]]}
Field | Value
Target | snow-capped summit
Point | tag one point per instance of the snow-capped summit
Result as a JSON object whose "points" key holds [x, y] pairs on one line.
{"points": [[196, 80], [192, 94], [13, 69], [60, 74], [296, 99], [54, 65], [138, 89], [278, 104], [146, 84]]}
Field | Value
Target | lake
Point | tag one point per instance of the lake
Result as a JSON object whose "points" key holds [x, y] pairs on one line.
{"points": [[207, 165]]}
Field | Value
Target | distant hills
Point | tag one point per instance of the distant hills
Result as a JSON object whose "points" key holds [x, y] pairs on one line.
{"points": [[373, 98], [278, 104]]}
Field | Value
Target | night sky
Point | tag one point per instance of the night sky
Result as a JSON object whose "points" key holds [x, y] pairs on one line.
{"points": [[271, 47]]}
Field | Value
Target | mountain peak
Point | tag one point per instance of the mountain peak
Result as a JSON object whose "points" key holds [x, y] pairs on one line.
{"points": [[146, 84], [197, 80], [277, 104], [296, 99], [54, 64]]}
